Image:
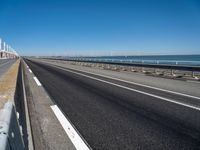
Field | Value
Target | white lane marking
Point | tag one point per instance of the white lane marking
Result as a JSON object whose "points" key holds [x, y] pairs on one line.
{"points": [[30, 71], [131, 89], [27, 66], [71, 132], [139, 84], [37, 81]]}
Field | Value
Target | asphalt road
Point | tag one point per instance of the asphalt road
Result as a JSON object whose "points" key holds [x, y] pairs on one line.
{"points": [[109, 115], [5, 65]]}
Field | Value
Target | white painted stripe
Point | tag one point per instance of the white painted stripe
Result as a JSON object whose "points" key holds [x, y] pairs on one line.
{"points": [[27, 66], [139, 84], [131, 89], [71, 132], [37, 81], [30, 71]]}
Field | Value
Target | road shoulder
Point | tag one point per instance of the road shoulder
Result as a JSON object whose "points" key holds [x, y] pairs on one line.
{"points": [[47, 131]]}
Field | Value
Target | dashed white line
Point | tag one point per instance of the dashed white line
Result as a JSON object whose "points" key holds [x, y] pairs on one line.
{"points": [[71, 132], [37, 81], [131, 89], [30, 71]]}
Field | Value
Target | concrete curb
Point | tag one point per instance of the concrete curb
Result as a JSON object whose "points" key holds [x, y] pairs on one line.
{"points": [[29, 131]]}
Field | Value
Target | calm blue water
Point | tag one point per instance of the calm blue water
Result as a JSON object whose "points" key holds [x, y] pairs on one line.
{"points": [[157, 59]]}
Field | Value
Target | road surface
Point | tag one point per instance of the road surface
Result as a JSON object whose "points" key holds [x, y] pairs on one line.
{"points": [[111, 114], [5, 65]]}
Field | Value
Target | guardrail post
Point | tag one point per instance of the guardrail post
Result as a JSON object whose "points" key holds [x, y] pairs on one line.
{"points": [[193, 75], [172, 72]]}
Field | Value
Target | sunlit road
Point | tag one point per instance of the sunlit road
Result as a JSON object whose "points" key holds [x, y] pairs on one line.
{"points": [[111, 114]]}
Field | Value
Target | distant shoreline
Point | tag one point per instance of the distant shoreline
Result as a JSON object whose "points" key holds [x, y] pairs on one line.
{"points": [[151, 59], [135, 55]]}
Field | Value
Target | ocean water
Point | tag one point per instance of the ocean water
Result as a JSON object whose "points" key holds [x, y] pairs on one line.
{"points": [[193, 60]]}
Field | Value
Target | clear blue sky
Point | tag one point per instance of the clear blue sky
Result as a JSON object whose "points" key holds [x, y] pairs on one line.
{"points": [[101, 27]]}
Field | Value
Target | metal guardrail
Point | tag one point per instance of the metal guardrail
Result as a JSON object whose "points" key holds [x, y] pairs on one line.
{"points": [[160, 66], [144, 61], [10, 133]]}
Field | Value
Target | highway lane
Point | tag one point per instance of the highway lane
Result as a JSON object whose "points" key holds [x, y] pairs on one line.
{"points": [[5, 65], [180, 97], [188, 87], [111, 117]]}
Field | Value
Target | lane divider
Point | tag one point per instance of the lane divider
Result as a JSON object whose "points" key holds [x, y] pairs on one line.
{"points": [[134, 90], [37, 81], [35, 78], [71, 132], [139, 84]]}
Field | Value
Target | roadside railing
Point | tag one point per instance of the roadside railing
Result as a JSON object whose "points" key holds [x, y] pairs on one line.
{"points": [[10, 133], [161, 64], [13, 126], [142, 61]]}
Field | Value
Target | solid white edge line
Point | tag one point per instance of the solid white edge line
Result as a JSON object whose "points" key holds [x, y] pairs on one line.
{"points": [[71, 132], [30, 70], [37, 81], [131, 89], [139, 84]]}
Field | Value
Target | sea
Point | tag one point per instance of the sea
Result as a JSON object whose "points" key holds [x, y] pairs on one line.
{"points": [[193, 60]]}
